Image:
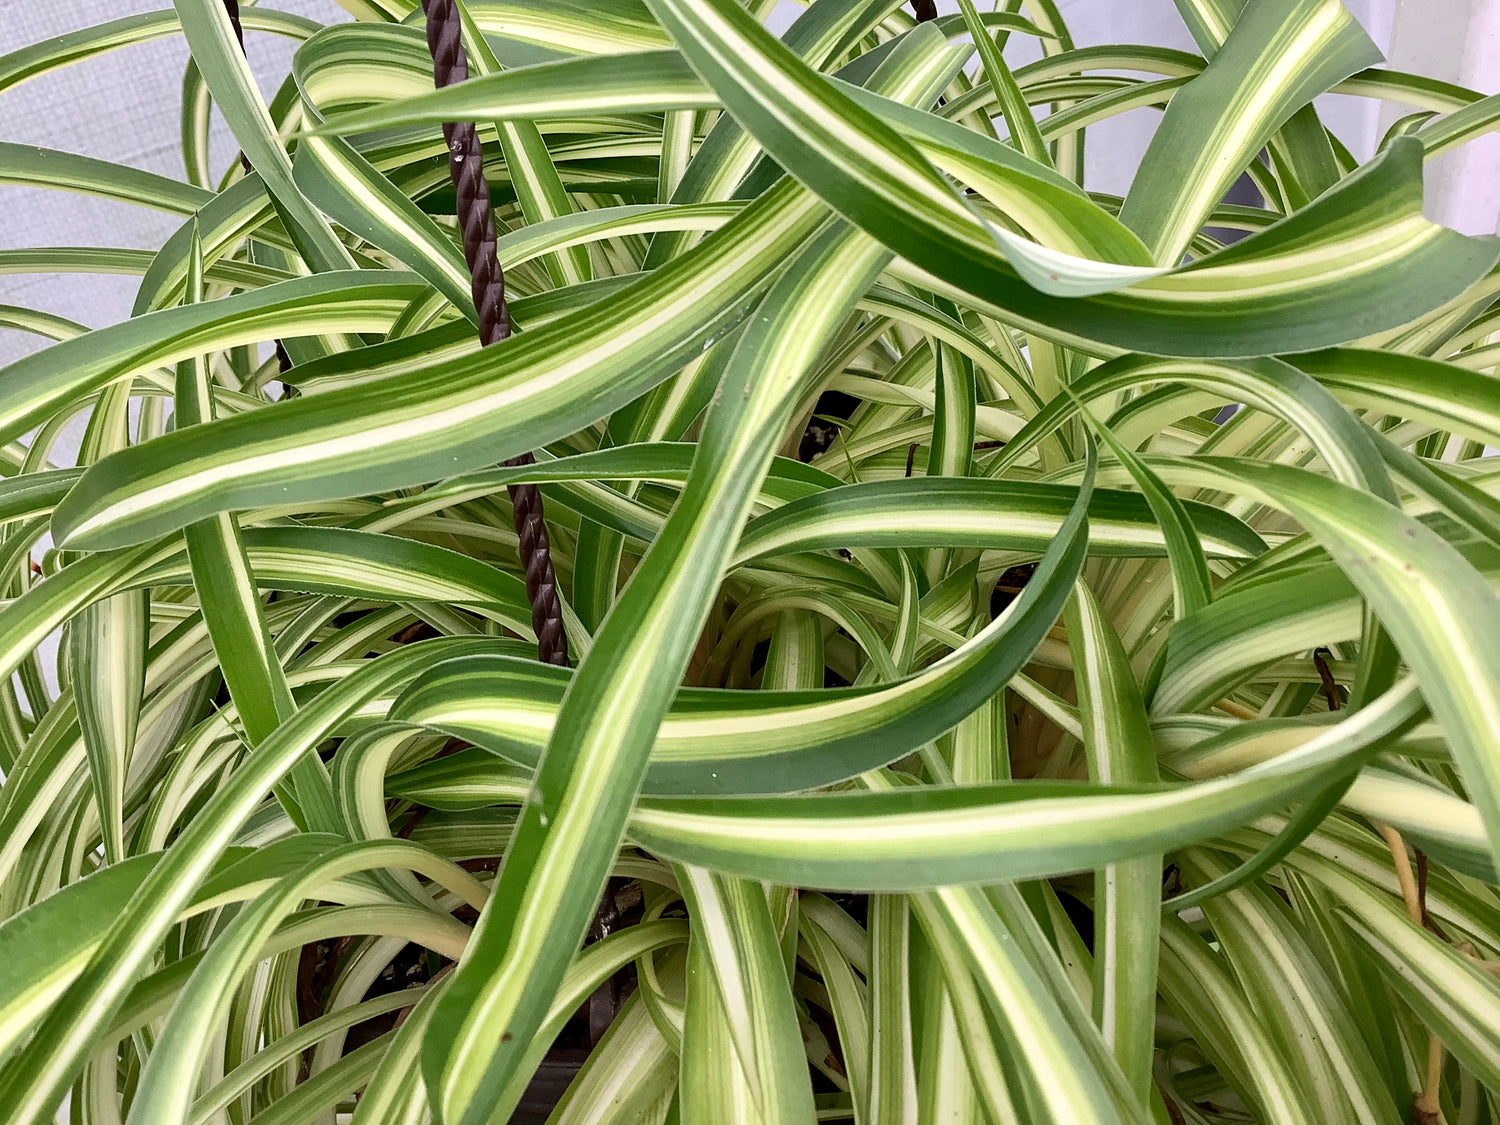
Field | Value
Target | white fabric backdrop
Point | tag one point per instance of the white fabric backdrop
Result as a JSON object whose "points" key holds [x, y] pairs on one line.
{"points": [[124, 107]]}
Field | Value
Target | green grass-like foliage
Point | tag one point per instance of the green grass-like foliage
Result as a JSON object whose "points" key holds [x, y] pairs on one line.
{"points": [[966, 726]]}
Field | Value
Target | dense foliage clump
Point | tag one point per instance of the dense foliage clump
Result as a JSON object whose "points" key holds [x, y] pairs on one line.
{"points": [[966, 716]]}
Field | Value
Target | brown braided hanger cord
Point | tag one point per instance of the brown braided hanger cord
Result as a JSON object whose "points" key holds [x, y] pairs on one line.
{"points": [[450, 65]]}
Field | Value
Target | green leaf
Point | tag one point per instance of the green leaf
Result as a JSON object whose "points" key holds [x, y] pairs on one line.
{"points": [[875, 179], [455, 415], [485, 1001], [222, 63], [76, 46], [811, 363], [37, 1076], [927, 838], [31, 166], [893, 1076], [1278, 55], [349, 189], [1307, 1018], [1059, 1085], [738, 956], [1018, 120], [539, 189], [785, 740], [1202, 990], [1414, 581], [35, 386], [1127, 896], [167, 1083], [1012, 515]]}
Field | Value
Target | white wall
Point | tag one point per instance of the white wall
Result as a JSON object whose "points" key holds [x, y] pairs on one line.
{"points": [[1459, 41], [124, 107]]}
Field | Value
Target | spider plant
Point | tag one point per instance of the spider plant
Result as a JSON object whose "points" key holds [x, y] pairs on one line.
{"points": [[967, 721]]}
